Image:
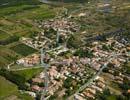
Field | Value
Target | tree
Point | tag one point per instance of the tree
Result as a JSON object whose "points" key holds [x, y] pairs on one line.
{"points": [[67, 83], [83, 53], [74, 41]]}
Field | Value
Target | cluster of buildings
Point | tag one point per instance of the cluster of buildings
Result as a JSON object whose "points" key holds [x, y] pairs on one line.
{"points": [[59, 71], [37, 42], [102, 52], [113, 70], [62, 28], [29, 61], [54, 80], [89, 93], [62, 24], [80, 69]]}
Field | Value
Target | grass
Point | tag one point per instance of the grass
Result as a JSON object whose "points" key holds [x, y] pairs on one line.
{"points": [[6, 87], [28, 73], [111, 97], [17, 19], [112, 85], [23, 49], [16, 9], [25, 97], [3, 35], [9, 91], [6, 3], [7, 56]]}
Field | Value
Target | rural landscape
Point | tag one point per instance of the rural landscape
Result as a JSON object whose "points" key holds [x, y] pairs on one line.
{"points": [[64, 50]]}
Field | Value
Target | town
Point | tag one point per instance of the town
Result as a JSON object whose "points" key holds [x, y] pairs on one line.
{"points": [[65, 50], [69, 70]]}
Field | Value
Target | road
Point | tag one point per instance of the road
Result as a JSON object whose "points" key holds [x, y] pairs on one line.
{"points": [[25, 68]]}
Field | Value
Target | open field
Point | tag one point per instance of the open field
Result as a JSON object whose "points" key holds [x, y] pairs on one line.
{"points": [[18, 18], [23, 49], [22, 16], [29, 73], [7, 56], [5, 3], [111, 84], [22, 23], [9, 91], [6, 87], [3, 35]]}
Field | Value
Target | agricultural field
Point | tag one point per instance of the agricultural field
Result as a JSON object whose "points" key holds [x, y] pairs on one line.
{"points": [[5, 3], [18, 19], [28, 73], [6, 88], [23, 49], [14, 51], [7, 56], [9, 91], [3, 35]]}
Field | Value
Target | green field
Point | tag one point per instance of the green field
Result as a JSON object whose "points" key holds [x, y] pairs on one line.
{"points": [[7, 56], [12, 52], [6, 88], [23, 49], [3, 35], [29, 73], [9, 91], [17, 19], [5, 3]]}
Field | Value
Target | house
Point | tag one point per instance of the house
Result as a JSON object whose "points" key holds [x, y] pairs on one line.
{"points": [[116, 62], [111, 71], [36, 88], [118, 78], [88, 94], [33, 94], [128, 91], [128, 48], [42, 75], [20, 61], [78, 97], [37, 80], [96, 66], [101, 79], [30, 60], [97, 88], [85, 60], [101, 85], [91, 90], [53, 72], [82, 14]]}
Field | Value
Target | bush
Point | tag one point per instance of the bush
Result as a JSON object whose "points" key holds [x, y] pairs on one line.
{"points": [[68, 83], [74, 41], [83, 53]]}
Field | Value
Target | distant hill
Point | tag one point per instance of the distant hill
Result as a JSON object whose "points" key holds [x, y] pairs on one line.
{"points": [[71, 0], [16, 2]]}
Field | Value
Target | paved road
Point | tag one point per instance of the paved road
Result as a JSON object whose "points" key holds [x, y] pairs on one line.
{"points": [[25, 68]]}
